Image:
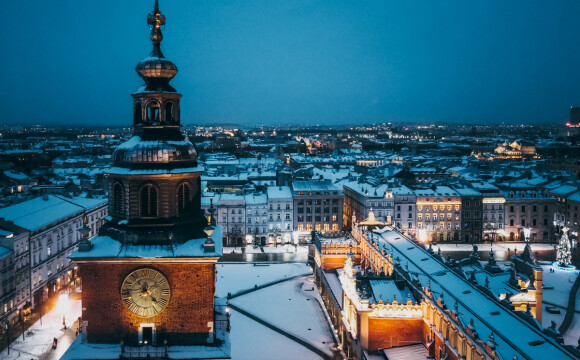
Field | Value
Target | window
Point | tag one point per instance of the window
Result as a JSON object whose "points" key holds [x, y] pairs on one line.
{"points": [[326, 227], [118, 198], [153, 112], [333, 217], [545, 222], [511, 208], [334, 227], [523, 208], [287, 216], [182, 197], [545, 208], [523, 222], [533, 222], [456, 207], [420, 216], [534, 209], [511, 222], [148, 201], [300, 227]]}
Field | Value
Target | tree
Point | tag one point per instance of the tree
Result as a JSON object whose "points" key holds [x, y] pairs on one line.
{"points": [[563, 255]]}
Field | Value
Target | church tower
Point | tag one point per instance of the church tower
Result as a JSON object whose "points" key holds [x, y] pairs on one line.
{"points": [[149, 275]]}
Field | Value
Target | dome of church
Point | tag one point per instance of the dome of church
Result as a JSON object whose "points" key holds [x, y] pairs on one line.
{"points": [[155, 152], [156, 67]]}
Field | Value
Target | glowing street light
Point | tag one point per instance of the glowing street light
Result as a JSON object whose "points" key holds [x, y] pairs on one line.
{"points": [[63, 306], [527, 231], [422, 235]]}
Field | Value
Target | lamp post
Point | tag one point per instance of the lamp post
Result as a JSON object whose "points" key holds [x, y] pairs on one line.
{"points": [[527, 231], [8, 336], [63, 307]]}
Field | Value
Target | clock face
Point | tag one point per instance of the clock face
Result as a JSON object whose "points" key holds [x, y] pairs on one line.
{"points": [[145, 292]]}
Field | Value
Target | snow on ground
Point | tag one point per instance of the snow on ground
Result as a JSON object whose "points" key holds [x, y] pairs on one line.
{"points": [[34, 346], [251, 340], [572, 336], [292, 306], [235, 277], [561, 281]]}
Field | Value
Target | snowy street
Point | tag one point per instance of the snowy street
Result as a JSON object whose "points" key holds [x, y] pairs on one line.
{"points": [[39, 337]]}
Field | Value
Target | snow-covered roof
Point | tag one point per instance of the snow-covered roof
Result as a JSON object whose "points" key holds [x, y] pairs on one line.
{"points": [[468, 192], [15, 175], [106, 247], [255, 199], [126, 171], [37, 213], [279, 192], [488, 315], [314, 185]]}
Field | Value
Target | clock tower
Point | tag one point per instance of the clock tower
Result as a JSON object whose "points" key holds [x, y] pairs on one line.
{"points": [[149, 275]]}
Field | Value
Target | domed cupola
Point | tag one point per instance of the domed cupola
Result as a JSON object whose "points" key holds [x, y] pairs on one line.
{"points": [[155, 180], [138, 153]]}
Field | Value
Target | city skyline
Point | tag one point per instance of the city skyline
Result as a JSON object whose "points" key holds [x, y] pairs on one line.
{"points": [[324, 63]]}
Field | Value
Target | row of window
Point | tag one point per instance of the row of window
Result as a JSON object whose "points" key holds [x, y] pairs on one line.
{"points": [[317, 210], [523, 222], [534, 208], [435, 216], [318, 227], [318, 193], [317, 202], [316, 218], [436, 207], [148, 199]]}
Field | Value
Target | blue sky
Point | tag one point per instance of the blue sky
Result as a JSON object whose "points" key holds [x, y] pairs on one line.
{"points": [[296, 62]]}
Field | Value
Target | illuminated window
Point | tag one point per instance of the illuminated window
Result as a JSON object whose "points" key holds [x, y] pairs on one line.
{"points": [[420, 207], [434, 216], [334, 227], [434, 207], [442, 225], [448, 207], [300, 227], [456, 207], [333, 217], [326, 227], [420, 225], [309, 227], [420, 216], [317, 227], [448, 216]]}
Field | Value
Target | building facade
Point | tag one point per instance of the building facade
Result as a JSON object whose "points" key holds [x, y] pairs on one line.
{"points": [[280, 206], [318, 205]]}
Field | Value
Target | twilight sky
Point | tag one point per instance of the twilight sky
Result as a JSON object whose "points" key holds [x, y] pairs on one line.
{"points": [[313, 62]]}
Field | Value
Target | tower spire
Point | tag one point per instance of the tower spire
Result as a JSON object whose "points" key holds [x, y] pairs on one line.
{"points": [[155, 20]]}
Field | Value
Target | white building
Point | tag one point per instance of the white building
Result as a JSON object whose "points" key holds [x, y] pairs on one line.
{"points": [[52, 223], [257, 218], [280, 214]]}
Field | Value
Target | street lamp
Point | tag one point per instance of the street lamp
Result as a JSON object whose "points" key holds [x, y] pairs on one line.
{"points": [[8, 336], [527, 231], [63, 307]]}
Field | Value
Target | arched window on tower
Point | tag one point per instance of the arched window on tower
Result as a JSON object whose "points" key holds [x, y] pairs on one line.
{"points": [[148, 201], [138, 114], [153, 112], [182, 197], [118, 199], [169, 112]]}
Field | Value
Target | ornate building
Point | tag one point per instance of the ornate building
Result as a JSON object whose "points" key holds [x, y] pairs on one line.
{"points": [[395, 298], [149, 276]]}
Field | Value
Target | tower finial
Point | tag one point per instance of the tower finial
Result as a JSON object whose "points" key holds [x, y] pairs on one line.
{"points": [[155, 20]]}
